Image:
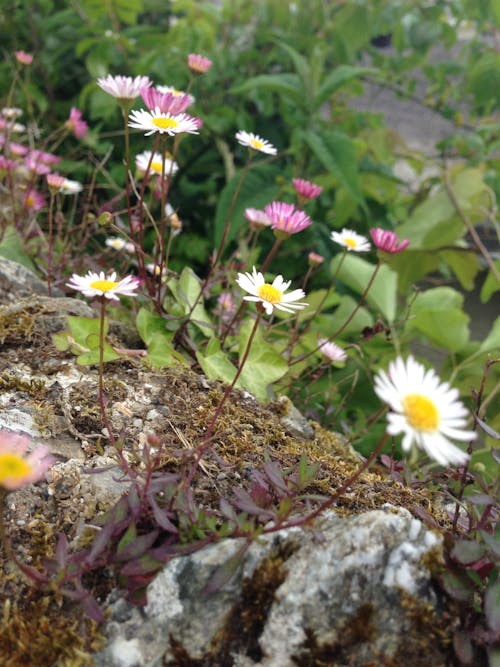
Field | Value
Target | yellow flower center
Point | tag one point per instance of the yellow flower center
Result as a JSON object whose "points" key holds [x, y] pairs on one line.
{"points": [[270, 294], [156, 166], [421, 412], [13, 467], [350, 243], [165, 123], [103, 285], [258, 145]]}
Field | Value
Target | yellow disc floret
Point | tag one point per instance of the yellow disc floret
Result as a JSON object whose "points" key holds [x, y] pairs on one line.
{"points": [[103, 285], [13, 467], [421, 412], [269, 293], [165, 123], [350, 243], [258, 145]]}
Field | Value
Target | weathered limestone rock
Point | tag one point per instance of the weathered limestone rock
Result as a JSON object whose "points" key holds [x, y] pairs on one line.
{"points": [[346, 592]]}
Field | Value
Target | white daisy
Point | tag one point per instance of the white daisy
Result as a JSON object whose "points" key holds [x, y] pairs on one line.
{"points": [[144, 159], [426, 411], [119, 244], [331, 351], [124, 87], [351, 241], [98, 284], [270, 295], [164, 123], [255, 142], [71, 187]]}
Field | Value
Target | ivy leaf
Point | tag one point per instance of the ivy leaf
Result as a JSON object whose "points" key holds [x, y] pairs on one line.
{"points": [[356, 272], [437, 313], [263, 366], [186, 290]]}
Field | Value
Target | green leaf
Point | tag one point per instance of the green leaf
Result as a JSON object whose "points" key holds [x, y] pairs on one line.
{"points": [[83, 340], [148, 324], [215, 363], [465, 265], [186, 291], [337, 153], [491, 284], [336, 79], [361, 319], [263, 366], [437, 313], [161, 352], [412, 265], [302, 68], [492, 340], [356, 273], [11, 247], [435, 223], [492, 605], [284, 84], [257, 190]]}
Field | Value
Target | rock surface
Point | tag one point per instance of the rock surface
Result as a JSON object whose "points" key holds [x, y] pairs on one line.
{"points": [[340, 591]]}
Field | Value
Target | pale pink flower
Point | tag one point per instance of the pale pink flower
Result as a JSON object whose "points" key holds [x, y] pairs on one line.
{"points": [[6, 164], [226, 306], [331, 351], [55, 182], [257, 219], [314, 259], [75, 123], [17, 469], [199, 64], [286, 218], [123, 87], [306, 189], [42, 156], [33, 200], [19, 150], [387, 241], [165, 102], [23, 57]]}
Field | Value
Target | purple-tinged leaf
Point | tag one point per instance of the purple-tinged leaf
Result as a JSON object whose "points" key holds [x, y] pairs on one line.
{"points": [[458, 587], [273, 472], [101, 542], [487, 429], [492, 606], [143, 566], [137, 547], [32, 573], [495, 454], [92, 609], [463, 647], [61, 553], [223, 573], [466, 551], [482, 499], [161, 517], [245, 503], [227, 509], [425, 516], [492, 540]]}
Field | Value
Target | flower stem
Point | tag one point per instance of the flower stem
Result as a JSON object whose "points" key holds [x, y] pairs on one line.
{"points": [[101, 397], [206, 440]]}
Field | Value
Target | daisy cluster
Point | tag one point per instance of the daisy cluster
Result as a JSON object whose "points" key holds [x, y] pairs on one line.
{"points": [[26, 172]]}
